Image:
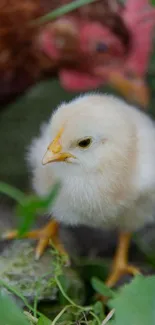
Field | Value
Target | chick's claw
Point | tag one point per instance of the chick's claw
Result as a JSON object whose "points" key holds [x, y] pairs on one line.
{"points": [[120, 264], [44, 235], [117, 273]]}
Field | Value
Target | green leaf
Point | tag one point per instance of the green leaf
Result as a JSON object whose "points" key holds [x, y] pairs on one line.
{"points": [[134, 304], [31, 206], [44, 321], [27, 214], [63, 10], [15, 292], [98, 310], [64, 280], [101, 288], [10, 314], [11, 191]]}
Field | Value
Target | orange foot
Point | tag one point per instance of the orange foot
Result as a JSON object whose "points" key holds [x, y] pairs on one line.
{"points": [[44, 235], [120, 264]]}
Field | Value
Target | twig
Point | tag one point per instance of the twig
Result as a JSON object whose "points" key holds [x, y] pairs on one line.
{"points": [[105, 321]]}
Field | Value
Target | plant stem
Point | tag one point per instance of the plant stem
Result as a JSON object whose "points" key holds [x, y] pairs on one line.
{"points": [[62, 10]]}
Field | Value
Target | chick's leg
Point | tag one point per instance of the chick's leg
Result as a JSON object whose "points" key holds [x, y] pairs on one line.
{"points": [[44, 235], [120, 264]]}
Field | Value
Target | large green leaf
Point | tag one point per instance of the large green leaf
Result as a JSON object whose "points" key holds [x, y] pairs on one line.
{"points": [[10, 314], [134, 304]]}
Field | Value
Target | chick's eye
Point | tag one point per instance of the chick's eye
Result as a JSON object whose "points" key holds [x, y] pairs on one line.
{"points": [[85, 143]]}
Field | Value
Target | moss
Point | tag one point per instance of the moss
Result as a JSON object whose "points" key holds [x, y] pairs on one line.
{"points": [[19, 269]]}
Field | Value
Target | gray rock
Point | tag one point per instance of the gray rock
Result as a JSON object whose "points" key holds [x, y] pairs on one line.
{"points": [[18, 269]]}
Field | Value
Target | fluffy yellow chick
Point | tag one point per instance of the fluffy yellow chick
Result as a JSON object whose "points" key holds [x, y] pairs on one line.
{"points": [[102, 150]]}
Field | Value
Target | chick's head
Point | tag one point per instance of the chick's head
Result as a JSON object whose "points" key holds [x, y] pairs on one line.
{"points": [[92, 133]]}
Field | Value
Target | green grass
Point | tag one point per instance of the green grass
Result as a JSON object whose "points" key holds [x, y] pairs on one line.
{"points": [[62, 11]]}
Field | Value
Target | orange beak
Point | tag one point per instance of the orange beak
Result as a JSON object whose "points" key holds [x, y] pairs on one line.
{"points": [[50, 157], [54, 152]]}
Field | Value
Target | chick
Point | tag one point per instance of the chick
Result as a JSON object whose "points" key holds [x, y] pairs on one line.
{"points": [[102, 150]]}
